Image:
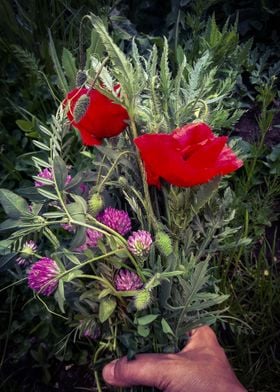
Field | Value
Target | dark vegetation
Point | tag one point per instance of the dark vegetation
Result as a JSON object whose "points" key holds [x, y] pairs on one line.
{"points": [[31, 357]]}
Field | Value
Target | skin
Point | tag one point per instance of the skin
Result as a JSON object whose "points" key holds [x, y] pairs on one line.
{"points": [[201, 366]]}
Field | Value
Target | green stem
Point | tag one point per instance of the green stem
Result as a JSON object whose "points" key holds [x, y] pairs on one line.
{"points": [[99, 189], [60, 197], [117, 235], [79, 266], [12, 284], [150, 213]]}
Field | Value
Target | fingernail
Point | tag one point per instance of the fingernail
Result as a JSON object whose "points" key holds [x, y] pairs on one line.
{"points": [[109, 372]]}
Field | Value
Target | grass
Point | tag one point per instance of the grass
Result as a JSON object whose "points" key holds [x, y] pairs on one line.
{"points": [[254, 289]]}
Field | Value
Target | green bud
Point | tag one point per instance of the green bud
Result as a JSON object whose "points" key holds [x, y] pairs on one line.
{"points": [[81, 78], [81, 107], [95, 203], [122, 180], [142, 299], [163, 243]]}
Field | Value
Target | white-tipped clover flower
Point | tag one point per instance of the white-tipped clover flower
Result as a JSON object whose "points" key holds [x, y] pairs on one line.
{"points": [[28, 249], [139, 243]]}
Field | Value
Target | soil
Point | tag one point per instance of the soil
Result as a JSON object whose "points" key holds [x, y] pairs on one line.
{"points": [[247, 128]]}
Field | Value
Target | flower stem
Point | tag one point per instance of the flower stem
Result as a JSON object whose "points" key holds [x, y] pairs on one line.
{"points": [[152, 220], [99, 189]]}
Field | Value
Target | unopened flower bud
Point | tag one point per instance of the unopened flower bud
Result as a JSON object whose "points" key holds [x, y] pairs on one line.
{"points": [[123, 181], [81, 107], [163, 243], [81, 78], [142, 299], [95, 203]]}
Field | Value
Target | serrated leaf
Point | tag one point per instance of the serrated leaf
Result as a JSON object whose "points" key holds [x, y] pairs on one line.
{"points": [[62, 82], [13, 205], [204, 194], [148, 319], [165, 75], [69, 66], [106, 308]]}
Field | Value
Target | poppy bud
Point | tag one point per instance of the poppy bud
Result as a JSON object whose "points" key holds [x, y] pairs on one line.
{"points": [[81, 107], [95, 203], [163, 243], [81, 78], [142, 299]]}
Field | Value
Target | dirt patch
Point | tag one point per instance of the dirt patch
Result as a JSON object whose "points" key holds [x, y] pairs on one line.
{"points": [[247, 128]]}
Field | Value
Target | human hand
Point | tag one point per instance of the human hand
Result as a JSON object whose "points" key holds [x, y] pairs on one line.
{"points": [[201, 366]]}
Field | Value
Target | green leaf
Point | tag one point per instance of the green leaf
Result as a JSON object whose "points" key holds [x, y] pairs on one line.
{"points": [[165, 76], [5, 246], [106, 308], [204, 194], [59, 296], [79, 238], [10, 224], [118, 58], [47, 194], [96, 47], [72, 275], [69, 66], [104, 293], [14, 205], [166, 327], [62, 82], [143, 330], [6, 261], [60, 172], [148, 319]]}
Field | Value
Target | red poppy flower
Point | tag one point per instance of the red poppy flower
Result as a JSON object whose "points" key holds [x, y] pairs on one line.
{"points": [[100, 117], [189, 156]]}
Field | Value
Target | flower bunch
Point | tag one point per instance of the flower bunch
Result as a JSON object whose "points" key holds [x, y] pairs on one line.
{"points": [[124, 243]]}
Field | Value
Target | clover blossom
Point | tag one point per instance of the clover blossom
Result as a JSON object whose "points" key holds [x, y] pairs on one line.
{"points": [[117, 220], [28, 249], [48, 174], [92, 238], [139, 243], [127, 280], [42, 276]]}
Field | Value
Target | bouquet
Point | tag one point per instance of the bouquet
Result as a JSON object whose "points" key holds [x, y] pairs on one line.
{"points": [[116, 238]]}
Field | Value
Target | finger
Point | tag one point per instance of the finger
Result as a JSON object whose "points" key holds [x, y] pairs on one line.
{"points": [[201, 337], [146, 369]]}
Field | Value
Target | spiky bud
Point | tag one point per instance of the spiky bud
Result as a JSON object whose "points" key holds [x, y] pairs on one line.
{"points": [[142, 299], [81, 78], [163, 243], [81, 107], [95, 203]]}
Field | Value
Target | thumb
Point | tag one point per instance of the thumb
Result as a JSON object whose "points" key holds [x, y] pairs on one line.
{"points": [[146, 369]]}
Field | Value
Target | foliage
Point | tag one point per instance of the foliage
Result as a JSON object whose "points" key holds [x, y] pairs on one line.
{"points": [[181, 280], [28, 73]]}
